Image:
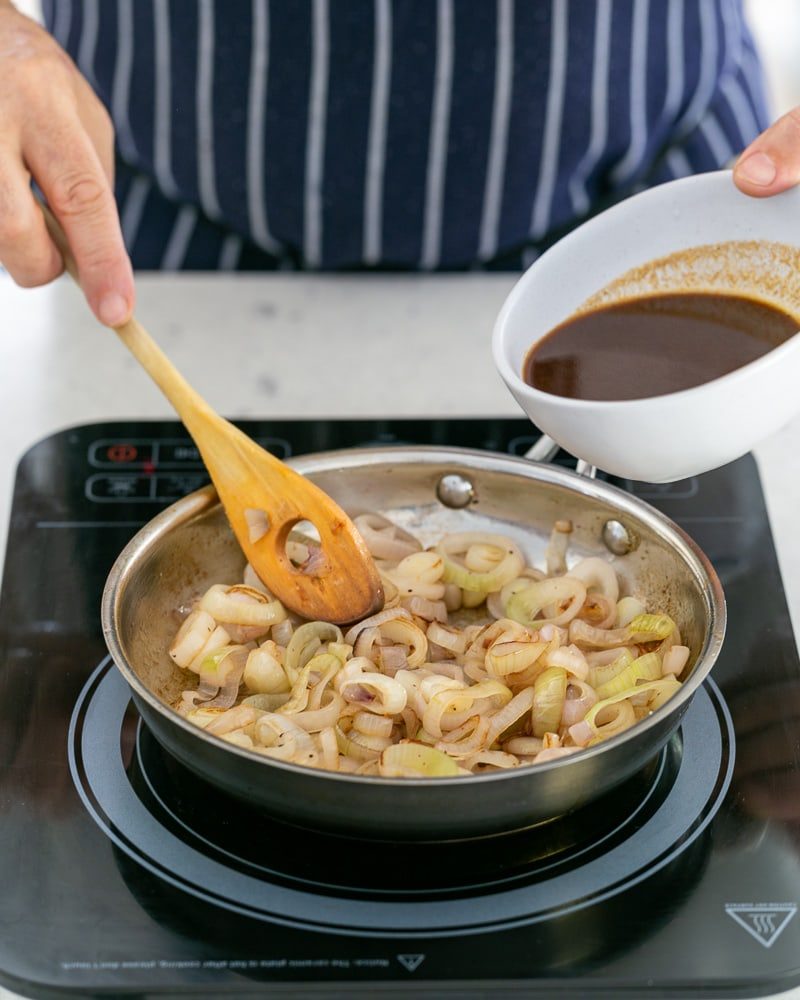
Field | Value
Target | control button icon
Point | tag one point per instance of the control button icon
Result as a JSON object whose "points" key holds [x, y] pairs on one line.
{"points": [[110, 453], [176, 486], [118, 488], [178, 452], [122, 452], [182, 453]]}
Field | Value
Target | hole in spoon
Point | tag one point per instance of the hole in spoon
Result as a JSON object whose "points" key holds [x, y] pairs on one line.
{"points": [[304, 549]]}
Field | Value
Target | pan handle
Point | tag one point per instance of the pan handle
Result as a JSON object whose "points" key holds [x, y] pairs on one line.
{"points": [[545, 450]]}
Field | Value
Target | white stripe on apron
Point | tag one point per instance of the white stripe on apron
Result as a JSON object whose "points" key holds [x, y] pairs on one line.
{"points": [[637, 96], [162, 119], [256, 108], [62, 22], [548, 167], [133, 208], [675, 77], [730, 86], [678, 163], [230, 252], [437, 144], [599, 128], [178, 243], [88, 42], [498, 138], [720, 148], [121, 85], [376, 144], [315, 140], [736, 99], [709, 44], [204, 105]]}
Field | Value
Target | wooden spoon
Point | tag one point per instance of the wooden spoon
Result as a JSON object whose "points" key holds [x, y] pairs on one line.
{"points": [[341, 583]]}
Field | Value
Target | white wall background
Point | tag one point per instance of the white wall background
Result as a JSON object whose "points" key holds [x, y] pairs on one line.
{"points": [[776, 26]]}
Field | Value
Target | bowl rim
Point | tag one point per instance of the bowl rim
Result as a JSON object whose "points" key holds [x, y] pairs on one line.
{"points": [[564, 247]]}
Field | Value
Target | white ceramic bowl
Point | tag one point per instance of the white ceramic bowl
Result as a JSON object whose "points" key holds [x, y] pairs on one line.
{"points": [[674, 436]]}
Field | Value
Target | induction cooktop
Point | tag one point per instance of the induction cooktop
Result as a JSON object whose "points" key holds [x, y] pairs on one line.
{"points": [[124, 873]]}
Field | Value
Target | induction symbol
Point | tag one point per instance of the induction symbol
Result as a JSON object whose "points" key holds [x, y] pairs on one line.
{"points": [[763, 921], [411, 962]]}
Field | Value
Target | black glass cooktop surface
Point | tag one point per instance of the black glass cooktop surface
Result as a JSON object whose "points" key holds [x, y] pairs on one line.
{"points": [[123, 873]]}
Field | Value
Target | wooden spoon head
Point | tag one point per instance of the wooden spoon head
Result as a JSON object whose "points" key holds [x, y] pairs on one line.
{"points": [[340, 583]]}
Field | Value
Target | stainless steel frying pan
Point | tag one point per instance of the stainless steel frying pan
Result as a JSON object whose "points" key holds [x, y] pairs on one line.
{"points": [[429, 491]]}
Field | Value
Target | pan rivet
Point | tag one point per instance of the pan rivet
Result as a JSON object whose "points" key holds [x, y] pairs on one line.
{"points": [[455, 491], [617, 538]]}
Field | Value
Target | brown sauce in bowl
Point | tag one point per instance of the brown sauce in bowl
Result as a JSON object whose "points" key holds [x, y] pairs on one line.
{"points": [[654, 345]]}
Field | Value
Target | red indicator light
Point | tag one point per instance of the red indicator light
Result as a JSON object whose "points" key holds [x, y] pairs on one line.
{"points": [[122, 453]]}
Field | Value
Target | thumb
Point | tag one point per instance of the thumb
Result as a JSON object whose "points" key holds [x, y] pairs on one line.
{"points": [[771, 163]]}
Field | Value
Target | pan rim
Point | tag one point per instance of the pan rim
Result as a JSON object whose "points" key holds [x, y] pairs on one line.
{"points": [[202, 501]]}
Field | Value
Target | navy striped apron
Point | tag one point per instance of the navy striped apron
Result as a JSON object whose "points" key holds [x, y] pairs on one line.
{"points": [[401, 134]]}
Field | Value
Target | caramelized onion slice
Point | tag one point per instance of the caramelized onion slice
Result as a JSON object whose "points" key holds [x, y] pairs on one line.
{"points": [[415, 760], [597, 574], [384, 539], [564, 594], [508, 565], [192, 636]]}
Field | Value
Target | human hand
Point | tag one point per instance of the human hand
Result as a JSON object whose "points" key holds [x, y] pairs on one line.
{"points": [[771, 163], [57, 132]]}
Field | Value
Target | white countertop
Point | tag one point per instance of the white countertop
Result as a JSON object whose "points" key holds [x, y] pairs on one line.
{"points": [[288, 346]]}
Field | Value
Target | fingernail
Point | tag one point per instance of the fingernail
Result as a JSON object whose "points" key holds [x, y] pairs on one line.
{"points": [[758, 169], [113, 309]]}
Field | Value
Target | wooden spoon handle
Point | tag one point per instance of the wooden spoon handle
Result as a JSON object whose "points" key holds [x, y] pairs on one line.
{"points": [[186, 401], [59, 237], [343, 585]]}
